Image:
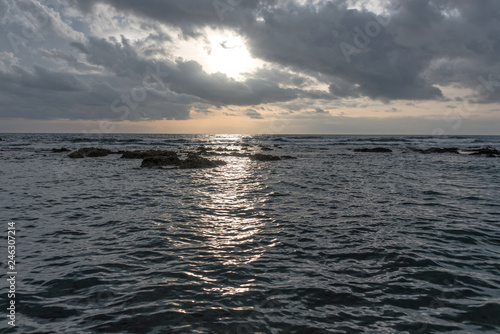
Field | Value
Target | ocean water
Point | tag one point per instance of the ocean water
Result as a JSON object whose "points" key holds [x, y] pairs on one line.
{"points": [[333, 242]]}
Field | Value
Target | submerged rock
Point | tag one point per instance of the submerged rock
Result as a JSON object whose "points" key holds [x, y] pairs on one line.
{"points": [[60, 150], [489, 152], [76, 155], [373, 150], [147, 154], [203, 149], [224, 149], [91, 152], [453, 150], [160, 161], [195, 161], [264, 157], [238, 154], [228, 154]]}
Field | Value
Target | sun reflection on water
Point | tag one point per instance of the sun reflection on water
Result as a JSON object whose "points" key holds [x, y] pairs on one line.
{"points": [[230, 218], [221, 230]]}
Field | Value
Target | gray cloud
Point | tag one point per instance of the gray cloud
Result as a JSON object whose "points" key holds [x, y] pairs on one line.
{"points": [[49, 69], [183, 77], [253, 114]]}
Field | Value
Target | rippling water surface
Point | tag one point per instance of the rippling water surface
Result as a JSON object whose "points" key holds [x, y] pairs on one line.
{"points": [[333, 242]]}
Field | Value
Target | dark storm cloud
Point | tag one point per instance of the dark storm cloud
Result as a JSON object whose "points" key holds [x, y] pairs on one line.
{"points": [[183, 77], [379, 56], [335, 41], [342, 88], [53, 65], [40, 79], [56, 54], [189, 78], [44, 94], [309, 37], [282, 77], [188, 15], [253, 114]]}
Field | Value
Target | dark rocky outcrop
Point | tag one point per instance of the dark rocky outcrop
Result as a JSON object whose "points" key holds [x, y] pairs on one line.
{"points": [[60, 150], [229, 154], [195, 161], [90, 152], [264, 157], [373, 150], [160, 161], [489, 152], [147, 154], [76, 155], [225, 149], [93, 152], [133, 155], [238, 154], [204, 150], [452, 150]]}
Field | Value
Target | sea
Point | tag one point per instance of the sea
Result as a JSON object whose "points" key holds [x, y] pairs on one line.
{"points": [[335, 241]]}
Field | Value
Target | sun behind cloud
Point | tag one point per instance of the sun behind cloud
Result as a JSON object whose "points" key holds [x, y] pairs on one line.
{"points": [[229, 55]]}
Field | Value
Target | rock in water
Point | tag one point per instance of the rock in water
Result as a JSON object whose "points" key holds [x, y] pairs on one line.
{"points": [[373, 150], [453, 150], [90, 152], [147, 154], [160, 161], [489, 152], [60, 150], [194, 161], [76, 155], [264, 157]]}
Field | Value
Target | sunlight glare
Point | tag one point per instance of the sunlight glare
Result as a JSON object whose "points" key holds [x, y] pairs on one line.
{"points": [[230, 56]]}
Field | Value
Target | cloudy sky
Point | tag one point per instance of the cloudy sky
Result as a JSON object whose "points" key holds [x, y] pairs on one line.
{"points": [[250, 66]]}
